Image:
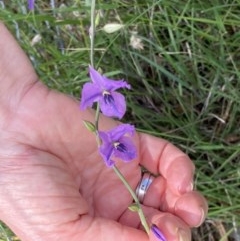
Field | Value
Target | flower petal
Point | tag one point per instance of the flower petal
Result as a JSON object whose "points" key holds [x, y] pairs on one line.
{"points": [[106, 149], [115, 143], [112, 85], [31, 4], [96, 77], [115, 108], [129, 152], [121, 130], [106, 83], [158, 234], [90, 93], [105, 137]]}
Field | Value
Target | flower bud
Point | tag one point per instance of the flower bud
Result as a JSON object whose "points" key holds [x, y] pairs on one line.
{"points": [[112, 27]]}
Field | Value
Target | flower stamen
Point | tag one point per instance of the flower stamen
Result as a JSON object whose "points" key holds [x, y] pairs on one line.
{"points": [[120, 147], [108, 99]]}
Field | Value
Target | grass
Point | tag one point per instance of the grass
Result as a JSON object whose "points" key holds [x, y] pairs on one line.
{"points": [[185, 82]]}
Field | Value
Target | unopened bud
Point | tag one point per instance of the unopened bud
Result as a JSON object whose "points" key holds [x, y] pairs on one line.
{"points": [[112, 27], [36, 39], [89, 125]]}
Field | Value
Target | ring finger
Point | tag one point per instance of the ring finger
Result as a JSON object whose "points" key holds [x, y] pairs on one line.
{"points": [[191, 206]]}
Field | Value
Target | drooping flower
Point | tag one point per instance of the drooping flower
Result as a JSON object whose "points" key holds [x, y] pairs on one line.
{"points": [[102, 90], [157, 233], [31, 4], [117, 143]]}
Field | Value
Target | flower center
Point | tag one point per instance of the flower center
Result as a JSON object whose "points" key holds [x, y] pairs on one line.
{"points": [[108, 99], [120, 147]]}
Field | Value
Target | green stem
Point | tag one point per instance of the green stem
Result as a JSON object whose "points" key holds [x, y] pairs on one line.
{"points": [[97, 115], [92, 32], [122, 178], [134, 196]]}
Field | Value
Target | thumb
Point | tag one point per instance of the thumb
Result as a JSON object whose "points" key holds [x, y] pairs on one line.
{"points": [[16, 71]]}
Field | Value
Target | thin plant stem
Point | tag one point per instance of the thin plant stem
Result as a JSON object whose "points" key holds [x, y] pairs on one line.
{"points": [[122, 178], [92, 32], [97, 115], [134, 196]]}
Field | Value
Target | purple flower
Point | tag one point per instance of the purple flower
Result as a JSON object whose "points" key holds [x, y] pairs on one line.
{"points": [[117, 143], [31, 4], [102, 90], [158, 234]]}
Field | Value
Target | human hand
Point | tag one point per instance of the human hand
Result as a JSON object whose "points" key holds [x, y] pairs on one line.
{"points": [[53, 183]]}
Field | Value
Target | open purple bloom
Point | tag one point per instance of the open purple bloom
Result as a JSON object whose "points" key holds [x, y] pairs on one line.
{"points": [[102, 90], [158, 234], [31, 4], [116, 143]]}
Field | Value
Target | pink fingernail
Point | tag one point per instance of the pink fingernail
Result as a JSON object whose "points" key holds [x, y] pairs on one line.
{"points": [[182, 235], [201, 218], [188, 188]]}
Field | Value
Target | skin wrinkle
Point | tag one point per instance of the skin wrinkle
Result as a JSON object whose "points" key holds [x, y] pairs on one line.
{"points": [[34, 210], [48, 213], [14, 198], [84, 189], [167, 171], [14, 100], [146, 152], [94, 195], [9, 171], [28, 91], [29, 156], [65, 228], [133, 185], [171, 165], [69, 155], [100, 176], [4, 115], [40, 221], [74, 168], [160, 157], [157, 188], [26, 157], [114, 179], [130, 218], [166, 167], [163, 194], [14, 112]]}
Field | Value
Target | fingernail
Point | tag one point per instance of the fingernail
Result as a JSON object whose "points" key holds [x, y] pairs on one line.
{"points": [[188, 188], [182, 235], [157, 233], [202, 217]]}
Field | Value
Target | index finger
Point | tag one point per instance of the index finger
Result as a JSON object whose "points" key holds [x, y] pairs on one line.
{"points": [[161, 157]]}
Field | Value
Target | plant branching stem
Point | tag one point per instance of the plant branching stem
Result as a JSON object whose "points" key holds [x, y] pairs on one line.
{"points": [[97, 115]]}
